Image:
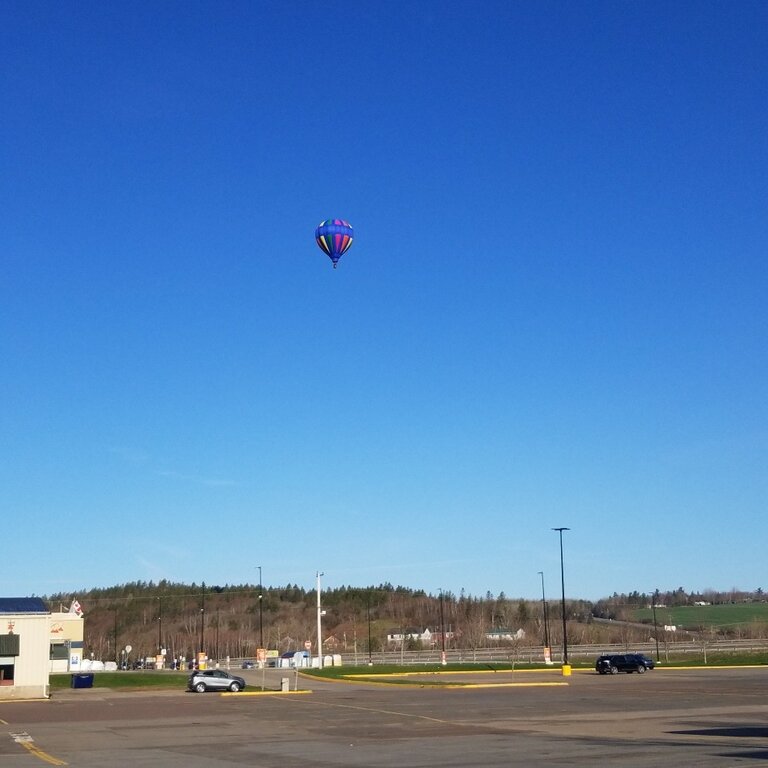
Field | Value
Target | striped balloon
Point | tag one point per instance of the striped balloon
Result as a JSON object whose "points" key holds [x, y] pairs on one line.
{"points": [[334, 236]]}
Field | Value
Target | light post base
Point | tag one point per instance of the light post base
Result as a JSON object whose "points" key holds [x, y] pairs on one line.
{"points": [[566, 670]]}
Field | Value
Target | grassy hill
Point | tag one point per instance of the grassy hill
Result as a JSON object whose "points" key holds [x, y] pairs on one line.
{"points": [[731, 618]]}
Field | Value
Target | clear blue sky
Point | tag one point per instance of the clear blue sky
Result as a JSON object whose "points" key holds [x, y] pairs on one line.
{"points": [[553, 314]]}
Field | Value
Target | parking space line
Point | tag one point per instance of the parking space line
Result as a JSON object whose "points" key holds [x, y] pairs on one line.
{"points": [[26, 741], [44, 756]]}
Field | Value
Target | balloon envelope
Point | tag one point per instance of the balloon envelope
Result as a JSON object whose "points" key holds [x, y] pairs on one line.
{"points": [[334, 236]]}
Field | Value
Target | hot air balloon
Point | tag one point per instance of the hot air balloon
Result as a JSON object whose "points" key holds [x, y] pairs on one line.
{"points": [[334, 236]]}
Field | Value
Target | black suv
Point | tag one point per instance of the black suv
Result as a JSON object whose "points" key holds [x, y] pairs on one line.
{"points": [[623, 662]]}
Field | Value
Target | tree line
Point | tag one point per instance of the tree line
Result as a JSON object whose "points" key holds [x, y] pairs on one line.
{"points": [[234, 620]]}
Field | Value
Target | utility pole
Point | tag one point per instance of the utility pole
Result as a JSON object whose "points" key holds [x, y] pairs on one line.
{"points": [[261, 620], [370, 656], [562, 581], [443, 660], [202, 626], [319, 624], [544, 608], [160, 626]]}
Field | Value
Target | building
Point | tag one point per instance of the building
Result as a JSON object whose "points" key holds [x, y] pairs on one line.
{"points": [[24, 648], [504, 635], [410, 634], [66, 642]]}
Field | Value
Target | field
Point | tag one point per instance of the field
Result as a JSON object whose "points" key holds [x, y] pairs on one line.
{"points": [[725, 616]]}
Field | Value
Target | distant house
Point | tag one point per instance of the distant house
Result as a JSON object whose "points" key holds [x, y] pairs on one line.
{"points": [[504, 635], [399, 636], [437, 637], [331, 642]]}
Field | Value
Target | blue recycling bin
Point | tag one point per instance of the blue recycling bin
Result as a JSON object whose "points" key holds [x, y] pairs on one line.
{"points": [[82, 680]]}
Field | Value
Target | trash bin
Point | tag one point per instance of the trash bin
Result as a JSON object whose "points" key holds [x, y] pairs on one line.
{"points": [[82, 680], [285, 684]]}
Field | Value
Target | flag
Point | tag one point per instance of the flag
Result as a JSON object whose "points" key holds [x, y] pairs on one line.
{"points": [[75, 608]]}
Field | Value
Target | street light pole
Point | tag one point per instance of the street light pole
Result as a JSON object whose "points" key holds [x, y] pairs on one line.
{"points": [[202, 626], [319, 624], [261, 622], [443, 660], [654, 600], [544, 608], [160, 626], [370, 652], [562, 581]]}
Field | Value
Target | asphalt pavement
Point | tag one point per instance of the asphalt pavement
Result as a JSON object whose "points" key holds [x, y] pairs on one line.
{"points": [[707, 718]]}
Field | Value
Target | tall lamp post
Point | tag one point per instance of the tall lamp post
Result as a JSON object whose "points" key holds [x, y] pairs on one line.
{"points": [[370, 651], [546, 620], [261, 621], [319, 623], [202, 626], [562, 581], [654, 600], [160, 626], [443, 660]]}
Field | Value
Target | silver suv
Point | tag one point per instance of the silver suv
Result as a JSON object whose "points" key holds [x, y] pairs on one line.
{"points": [[214, 680]]}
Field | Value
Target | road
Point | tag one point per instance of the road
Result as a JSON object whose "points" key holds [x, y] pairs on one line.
{"points": [[708, 718]]}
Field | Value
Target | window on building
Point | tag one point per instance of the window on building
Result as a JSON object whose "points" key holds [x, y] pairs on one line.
{"points": [[59, 652], [9, 645], [7, 669]]}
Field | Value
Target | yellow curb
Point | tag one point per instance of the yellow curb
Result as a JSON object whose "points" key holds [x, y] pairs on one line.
{"points": [[506, 685], [712, 666], [263, 693], [365, 681], [418, 674], [374, 678], [464, 672], [368, 681]]}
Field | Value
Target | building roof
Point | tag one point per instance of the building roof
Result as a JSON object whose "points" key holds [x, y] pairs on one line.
{"points": [[22, 605]]}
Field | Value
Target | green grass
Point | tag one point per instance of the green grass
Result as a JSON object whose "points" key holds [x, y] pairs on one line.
{"points": [[336, 673], [716, 660], [168, 680], [341, 673], [704, 616], [128, 680]]}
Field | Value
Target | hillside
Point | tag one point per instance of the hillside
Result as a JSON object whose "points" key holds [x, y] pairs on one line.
{"points": [[229, 620]]}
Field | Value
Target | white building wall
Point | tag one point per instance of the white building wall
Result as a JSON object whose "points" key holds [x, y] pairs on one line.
{"points": [[30, 677]]}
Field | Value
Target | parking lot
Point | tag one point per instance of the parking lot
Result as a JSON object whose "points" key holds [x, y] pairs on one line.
{"points": [[711, 717]]}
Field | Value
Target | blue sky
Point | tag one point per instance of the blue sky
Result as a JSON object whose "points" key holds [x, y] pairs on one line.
{"points": [[553, 313]]}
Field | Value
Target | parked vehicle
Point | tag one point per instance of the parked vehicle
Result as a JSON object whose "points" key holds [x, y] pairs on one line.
{"points": [[248, 664], [623, 662], [214, 680]]}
